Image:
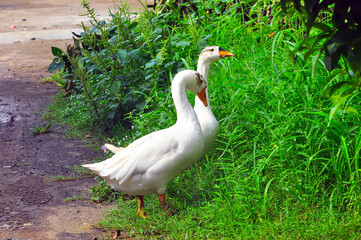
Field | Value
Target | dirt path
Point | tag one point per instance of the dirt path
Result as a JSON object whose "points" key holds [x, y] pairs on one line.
{"points": [[30, 206]]}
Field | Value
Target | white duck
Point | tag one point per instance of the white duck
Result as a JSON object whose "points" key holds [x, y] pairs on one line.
{"points": [[205, 115], [207, 120], [148, 164]]}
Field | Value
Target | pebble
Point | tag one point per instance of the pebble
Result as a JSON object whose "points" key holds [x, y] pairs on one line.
{"points": [[5, 226]]}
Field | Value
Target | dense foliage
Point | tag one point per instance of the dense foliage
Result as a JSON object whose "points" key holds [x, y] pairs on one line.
{"points": [[280, 168], [114, 66], [338, 36]]}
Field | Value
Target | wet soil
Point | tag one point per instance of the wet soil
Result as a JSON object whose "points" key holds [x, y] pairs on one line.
{"points": [[31, 205]]}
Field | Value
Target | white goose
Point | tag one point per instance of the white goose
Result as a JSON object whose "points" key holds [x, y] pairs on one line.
{"points": [[205, 115], [207, 120], [148, 164]]}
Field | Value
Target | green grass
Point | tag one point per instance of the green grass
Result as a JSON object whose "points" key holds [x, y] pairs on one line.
{"points": [[73, 198], [226, 221], [77, 172], [279, 168], [41, 129]]}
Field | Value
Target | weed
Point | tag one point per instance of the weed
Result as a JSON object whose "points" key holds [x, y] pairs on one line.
{"points": [[41, 129], [73, 198], [59, 178], [78, 172], [57, 77], [102, 192]]}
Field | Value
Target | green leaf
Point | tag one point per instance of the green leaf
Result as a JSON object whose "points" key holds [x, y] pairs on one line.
{"points": [[335, 74], [102, 23], [339, 88], [140, 106], [56, 51], [339, 102], [122, 56], [309, 53], [60, 66], [169, 64], [115, 87], [185, 63], [314, 63], [56, 65], [111, 115], [352, 110], [133, 25], [54, 62], [94, 29], [322, 26], [183, 44], [151, 63]]}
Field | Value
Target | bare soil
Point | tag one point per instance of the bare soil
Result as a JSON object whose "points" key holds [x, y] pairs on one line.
{"points": [[31, 207]]}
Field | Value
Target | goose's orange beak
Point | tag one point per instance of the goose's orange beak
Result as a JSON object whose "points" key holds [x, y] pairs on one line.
{"points": [[203, 97], [223, 54]]}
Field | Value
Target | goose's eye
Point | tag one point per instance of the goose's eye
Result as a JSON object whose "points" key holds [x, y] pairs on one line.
{"points": [[212, 50]]}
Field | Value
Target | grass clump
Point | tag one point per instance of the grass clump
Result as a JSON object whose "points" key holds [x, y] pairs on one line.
{"points": [[77, 172], [103, 193], [41, 129], [279, 168]]}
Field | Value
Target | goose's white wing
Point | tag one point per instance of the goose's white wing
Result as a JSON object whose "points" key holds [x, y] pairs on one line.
{"points": [[140, 156]]}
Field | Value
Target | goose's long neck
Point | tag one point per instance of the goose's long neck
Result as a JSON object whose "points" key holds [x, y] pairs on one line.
{"points": [[203, 68], [185, 112]]}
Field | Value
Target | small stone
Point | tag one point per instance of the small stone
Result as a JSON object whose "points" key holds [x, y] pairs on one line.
{"points": [[5, 226]]}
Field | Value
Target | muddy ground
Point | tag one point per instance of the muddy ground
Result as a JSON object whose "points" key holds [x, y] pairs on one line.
{"points": [[31, 206]]}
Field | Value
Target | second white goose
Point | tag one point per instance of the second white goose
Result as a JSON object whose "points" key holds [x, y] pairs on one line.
{"points": [[207, 120]]}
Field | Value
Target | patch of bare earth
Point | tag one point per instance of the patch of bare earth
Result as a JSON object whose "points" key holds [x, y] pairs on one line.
{"points": [[30, 206]]}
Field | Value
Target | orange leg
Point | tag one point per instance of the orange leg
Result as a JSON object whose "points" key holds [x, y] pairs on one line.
{"points": [[141, 212], [163, 203]]}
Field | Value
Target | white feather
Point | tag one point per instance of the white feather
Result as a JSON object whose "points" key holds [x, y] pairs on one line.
{"points": [[148, 164]]}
